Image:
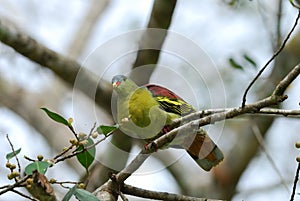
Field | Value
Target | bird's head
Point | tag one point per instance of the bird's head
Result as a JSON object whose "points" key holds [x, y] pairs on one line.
{"points": [[123, 85], [118, 80]]}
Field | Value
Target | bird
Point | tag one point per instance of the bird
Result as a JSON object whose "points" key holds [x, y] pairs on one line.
{"points": [[147, 111]]}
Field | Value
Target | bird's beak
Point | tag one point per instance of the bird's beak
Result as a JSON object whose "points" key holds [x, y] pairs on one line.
{"points": [[116, 84]]}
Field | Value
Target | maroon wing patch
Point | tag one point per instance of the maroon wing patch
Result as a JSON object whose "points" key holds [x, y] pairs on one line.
{"points": [[162, 91], [169, 101]]}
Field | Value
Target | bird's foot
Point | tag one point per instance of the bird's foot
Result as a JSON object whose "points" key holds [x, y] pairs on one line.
{"points": [[151, 145]]}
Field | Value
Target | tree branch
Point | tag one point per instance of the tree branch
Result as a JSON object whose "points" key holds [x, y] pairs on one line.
{"points": [[286, 81], [279, 112], [161, 16], [139, 192], [263, 111]]}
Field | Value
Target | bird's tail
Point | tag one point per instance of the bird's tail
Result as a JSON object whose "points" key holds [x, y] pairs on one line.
{"points": [[203, 150]]}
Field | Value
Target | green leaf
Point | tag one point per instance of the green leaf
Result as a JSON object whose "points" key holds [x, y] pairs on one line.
{"points": [[40, 166], [69, 194], [86, 158], [56, 117], [234, 64], [250, 60], [107, 129], [13, 154], [83, 195]]}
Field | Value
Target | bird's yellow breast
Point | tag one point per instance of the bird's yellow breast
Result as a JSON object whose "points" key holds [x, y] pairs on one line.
{"points": [[140, 114], [140, 104]]}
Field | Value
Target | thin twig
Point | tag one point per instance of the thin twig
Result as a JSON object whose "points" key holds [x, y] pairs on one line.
{"points": [[62, 183], [270, 60], [73, 131], [5, 186], [64, 151], [29, 159], [13, 149], [83, 150], [24, 195], [66, 182], [17, 184], [295, 182]]}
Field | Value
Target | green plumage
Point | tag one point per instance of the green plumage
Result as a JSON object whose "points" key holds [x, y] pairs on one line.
{"points": [[143, 112], [139, 114]]}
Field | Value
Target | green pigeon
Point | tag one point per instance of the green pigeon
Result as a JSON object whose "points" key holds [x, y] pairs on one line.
{"points": [[143, 112]]}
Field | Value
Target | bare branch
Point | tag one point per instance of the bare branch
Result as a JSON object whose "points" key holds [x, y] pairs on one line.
{"points": [[263, 111], [139, 192], [280, 112], [285, 82]]}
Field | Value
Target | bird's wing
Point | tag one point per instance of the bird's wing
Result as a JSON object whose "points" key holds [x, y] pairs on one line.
{"points": [[169, 101]]}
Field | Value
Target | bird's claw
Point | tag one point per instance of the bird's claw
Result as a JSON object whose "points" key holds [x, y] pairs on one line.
{"points": [[151, 145]]}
